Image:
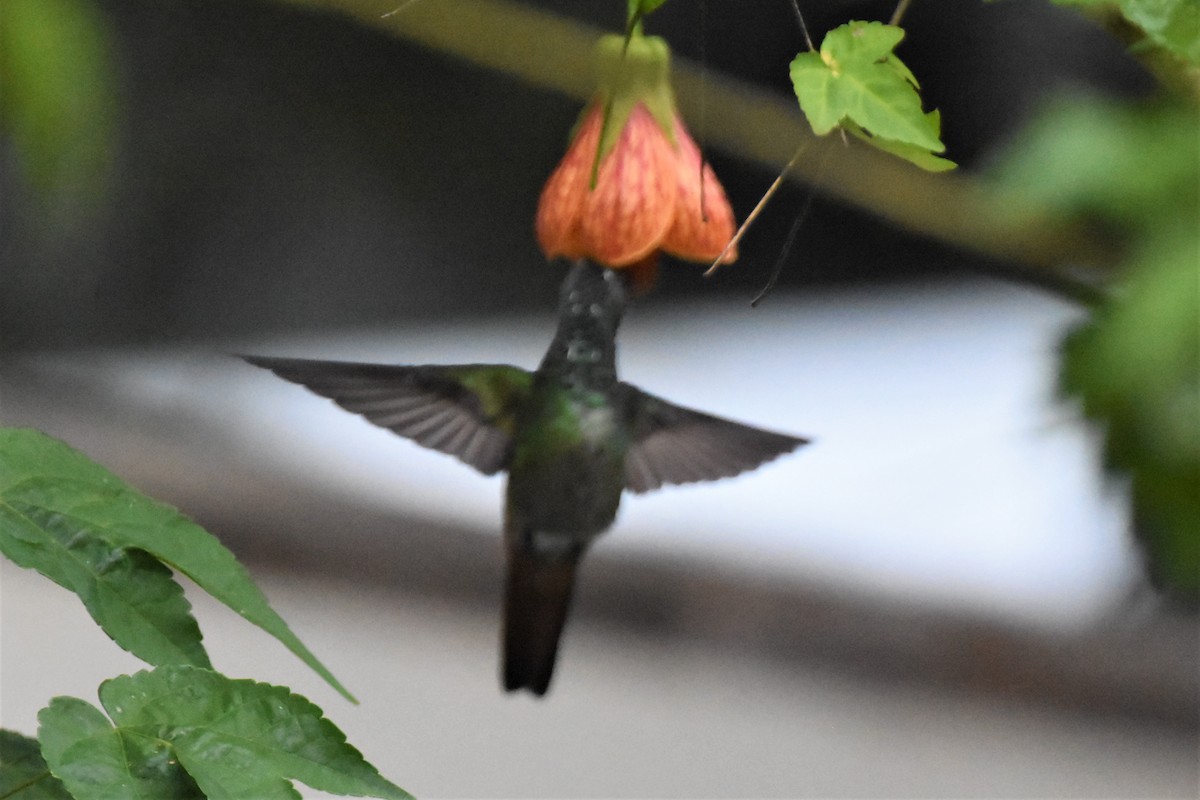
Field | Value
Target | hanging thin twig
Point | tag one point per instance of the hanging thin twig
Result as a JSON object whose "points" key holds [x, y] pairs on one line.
{"points": [[898, 14], [803, 28], [774, 187], [767, 195], [777, 270]]}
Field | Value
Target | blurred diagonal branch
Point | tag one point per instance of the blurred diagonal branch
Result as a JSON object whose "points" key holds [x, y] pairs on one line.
{"points": [[553, 52], [59, 95]]}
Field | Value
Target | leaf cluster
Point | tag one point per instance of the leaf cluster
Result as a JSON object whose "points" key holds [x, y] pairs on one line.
{"points": [[1173, 25], [85, 529], [181, 730], [1133, 170]]}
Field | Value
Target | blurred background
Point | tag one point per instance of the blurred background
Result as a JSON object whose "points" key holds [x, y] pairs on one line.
{"points": [[940, 597]]}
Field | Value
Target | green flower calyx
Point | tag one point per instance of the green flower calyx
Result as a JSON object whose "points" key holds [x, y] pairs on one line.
{"points": [[628, 74]]}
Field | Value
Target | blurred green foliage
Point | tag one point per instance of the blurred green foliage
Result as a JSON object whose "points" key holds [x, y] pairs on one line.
{"points": [[57, 93], [1135, 365], [1173, 25]]}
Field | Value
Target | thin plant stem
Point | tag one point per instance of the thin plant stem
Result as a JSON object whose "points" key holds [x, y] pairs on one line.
{"points": [[804, 28], [753, 215], [777, 269], [898, 14]]}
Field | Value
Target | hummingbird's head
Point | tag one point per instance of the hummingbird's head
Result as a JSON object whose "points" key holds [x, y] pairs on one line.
{"points": [[593, 294], [584, 350]]}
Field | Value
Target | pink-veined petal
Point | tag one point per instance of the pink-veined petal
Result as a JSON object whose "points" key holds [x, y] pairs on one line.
{"points": [[626, 216], [698, 234], [560, 207]]}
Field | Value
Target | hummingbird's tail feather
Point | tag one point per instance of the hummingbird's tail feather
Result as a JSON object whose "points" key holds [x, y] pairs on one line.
{"points": [[536, 601]]}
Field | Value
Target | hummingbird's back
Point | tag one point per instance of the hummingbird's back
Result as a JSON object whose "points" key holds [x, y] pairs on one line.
{"points": [[564, 487], [566, 473]]}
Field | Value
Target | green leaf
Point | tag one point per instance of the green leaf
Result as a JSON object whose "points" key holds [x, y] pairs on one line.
{"points": [[922, 158], [184, 732], [99, 762], [23, 772], [129, 593], [903, 71], [858, 44], [856, 79], [58, 96], [38, 472]]}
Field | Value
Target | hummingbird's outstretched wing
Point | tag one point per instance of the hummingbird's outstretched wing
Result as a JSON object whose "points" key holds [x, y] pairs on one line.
{"points": [[672, 444], [465, 410]]}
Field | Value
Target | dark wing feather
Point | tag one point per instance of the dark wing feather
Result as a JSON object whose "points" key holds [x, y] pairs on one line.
{"points": [[672, 444], [466, 411]]}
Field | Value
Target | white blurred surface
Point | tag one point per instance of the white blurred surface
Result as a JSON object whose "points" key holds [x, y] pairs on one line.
{"points": [[943, 472], [628, 716]]}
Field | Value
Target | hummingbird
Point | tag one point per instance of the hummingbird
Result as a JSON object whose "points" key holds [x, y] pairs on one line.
{"points": [[570, 435]]}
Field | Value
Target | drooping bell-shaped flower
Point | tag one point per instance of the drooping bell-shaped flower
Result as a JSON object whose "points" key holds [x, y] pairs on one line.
{"points": [[632, 182]]}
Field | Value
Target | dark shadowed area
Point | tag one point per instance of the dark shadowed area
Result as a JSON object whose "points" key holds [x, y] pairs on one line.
{"points": [[282, 170]]}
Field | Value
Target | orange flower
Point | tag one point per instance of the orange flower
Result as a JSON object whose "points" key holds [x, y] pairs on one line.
{"points": [[646, 195]]}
